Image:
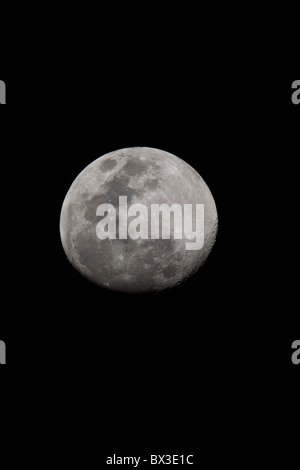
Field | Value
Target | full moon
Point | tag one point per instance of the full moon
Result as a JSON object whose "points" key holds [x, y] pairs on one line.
{"points": [[145, 176]]}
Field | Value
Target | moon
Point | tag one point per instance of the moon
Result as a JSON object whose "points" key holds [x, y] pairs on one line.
{"points": [[147, 176]]}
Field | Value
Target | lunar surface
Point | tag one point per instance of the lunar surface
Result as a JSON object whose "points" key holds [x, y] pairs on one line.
{"points": [[147, 176]]}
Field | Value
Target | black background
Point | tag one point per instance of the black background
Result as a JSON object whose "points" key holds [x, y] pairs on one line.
{"points": [[206, 366]]}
